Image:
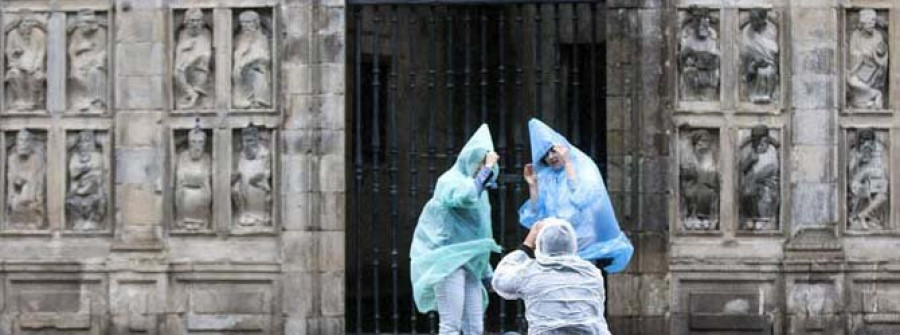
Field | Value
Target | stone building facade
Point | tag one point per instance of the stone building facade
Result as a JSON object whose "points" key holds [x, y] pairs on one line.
{"points": [[172, 167], [765, 130], [176, 167]]}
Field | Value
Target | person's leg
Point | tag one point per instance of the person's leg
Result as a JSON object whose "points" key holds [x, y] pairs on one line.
{"points": [[450, 298], [473, 315]]}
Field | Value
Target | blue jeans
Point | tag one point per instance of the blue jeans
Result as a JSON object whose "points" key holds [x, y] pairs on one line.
{"points": [[459, 304]]}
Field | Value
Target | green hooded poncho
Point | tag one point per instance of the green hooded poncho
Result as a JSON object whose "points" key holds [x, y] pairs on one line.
{"points": [[454, 229]]}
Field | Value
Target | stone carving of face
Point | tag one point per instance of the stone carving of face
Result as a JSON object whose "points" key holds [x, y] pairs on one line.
{"points": [[761, 146], [251, 143], [86, 145], [703, 27], [866, 146], [23, 143], [702, 143], [759, 138], [29, 23], [87, 23], [196, 143], [249, 21], [758, 19], [867, 19], [194, 22]]}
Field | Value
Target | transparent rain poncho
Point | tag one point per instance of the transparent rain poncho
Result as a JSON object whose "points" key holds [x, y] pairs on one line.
{"points": [[563, 293], [583, 202], [454, 229]]}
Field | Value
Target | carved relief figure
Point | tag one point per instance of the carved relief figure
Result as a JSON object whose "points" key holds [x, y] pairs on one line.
{"points": [[193, 62], [868, 62], [699, 57], [26, 61], [759, 57], [87, 63], [251, 74], [25, 180], [699, 179], [86, 198], [251, 187], [868, 182], [193, 183], [759, 180]]}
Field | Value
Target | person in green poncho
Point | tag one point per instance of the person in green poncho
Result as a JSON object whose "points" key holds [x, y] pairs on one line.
{"points": [[451, 247]]}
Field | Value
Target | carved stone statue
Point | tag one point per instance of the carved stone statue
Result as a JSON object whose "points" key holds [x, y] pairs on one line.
{"points": [[699, 57], [759, 180], [251, 187], [699, 179], [193, 183], [87, 63], [86, 197], [25, 180], [251, 74], [26, 63], [869, 184], [759, 57], [868, 63], [193, 62]]}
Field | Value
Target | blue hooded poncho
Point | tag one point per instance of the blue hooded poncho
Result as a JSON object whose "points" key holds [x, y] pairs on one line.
{"points": [[454, 229], [583, 202]]}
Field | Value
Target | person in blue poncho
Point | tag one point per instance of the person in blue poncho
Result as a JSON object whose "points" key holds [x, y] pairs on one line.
{"points": [[565, 183], [451, 247]]}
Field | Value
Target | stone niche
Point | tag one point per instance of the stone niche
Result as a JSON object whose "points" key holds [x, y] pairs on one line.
{"points": [[866, 59], [252, 61], [759, 178], [193, 55], [868, 180], [217, 304], [88, 204], [698, 179], [25, 200], [57, 304], [192, 180], [724, 304], [699, 55], [252, 187], [875, 304], [87, 59], [759, 52], [25, 61]]}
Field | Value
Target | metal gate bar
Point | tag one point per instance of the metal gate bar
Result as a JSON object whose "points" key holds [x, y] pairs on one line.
{"points": [[505, 61]]}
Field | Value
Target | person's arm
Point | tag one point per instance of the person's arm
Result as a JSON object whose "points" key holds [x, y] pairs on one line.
{"points": [[486, 171], [508, 276]]}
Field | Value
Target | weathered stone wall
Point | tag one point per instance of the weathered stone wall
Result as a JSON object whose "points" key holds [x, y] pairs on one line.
{"points": [[713, 256], [125, 230]]}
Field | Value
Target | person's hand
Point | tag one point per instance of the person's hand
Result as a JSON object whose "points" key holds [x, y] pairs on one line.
{"points": [[531, 239], [528, 173], [562, 151], [490, 159]]}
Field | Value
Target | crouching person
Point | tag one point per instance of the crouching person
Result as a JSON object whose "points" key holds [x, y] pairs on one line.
{"points": [[563, 293]]}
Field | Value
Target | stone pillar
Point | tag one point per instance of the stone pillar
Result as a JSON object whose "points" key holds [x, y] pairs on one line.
{"points": [[140, 70], [314, 146], [638, 161], [814, 101]]}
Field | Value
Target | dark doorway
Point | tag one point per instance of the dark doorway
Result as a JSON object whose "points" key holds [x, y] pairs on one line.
{"points": [[423, 76]]}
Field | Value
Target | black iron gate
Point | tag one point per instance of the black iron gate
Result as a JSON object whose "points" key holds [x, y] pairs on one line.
{"points": [[424, 75]]}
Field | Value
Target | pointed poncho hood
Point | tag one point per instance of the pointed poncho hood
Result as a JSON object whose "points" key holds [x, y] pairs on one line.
{"points": [[584, 201], [454, 229], [471, 156]]}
